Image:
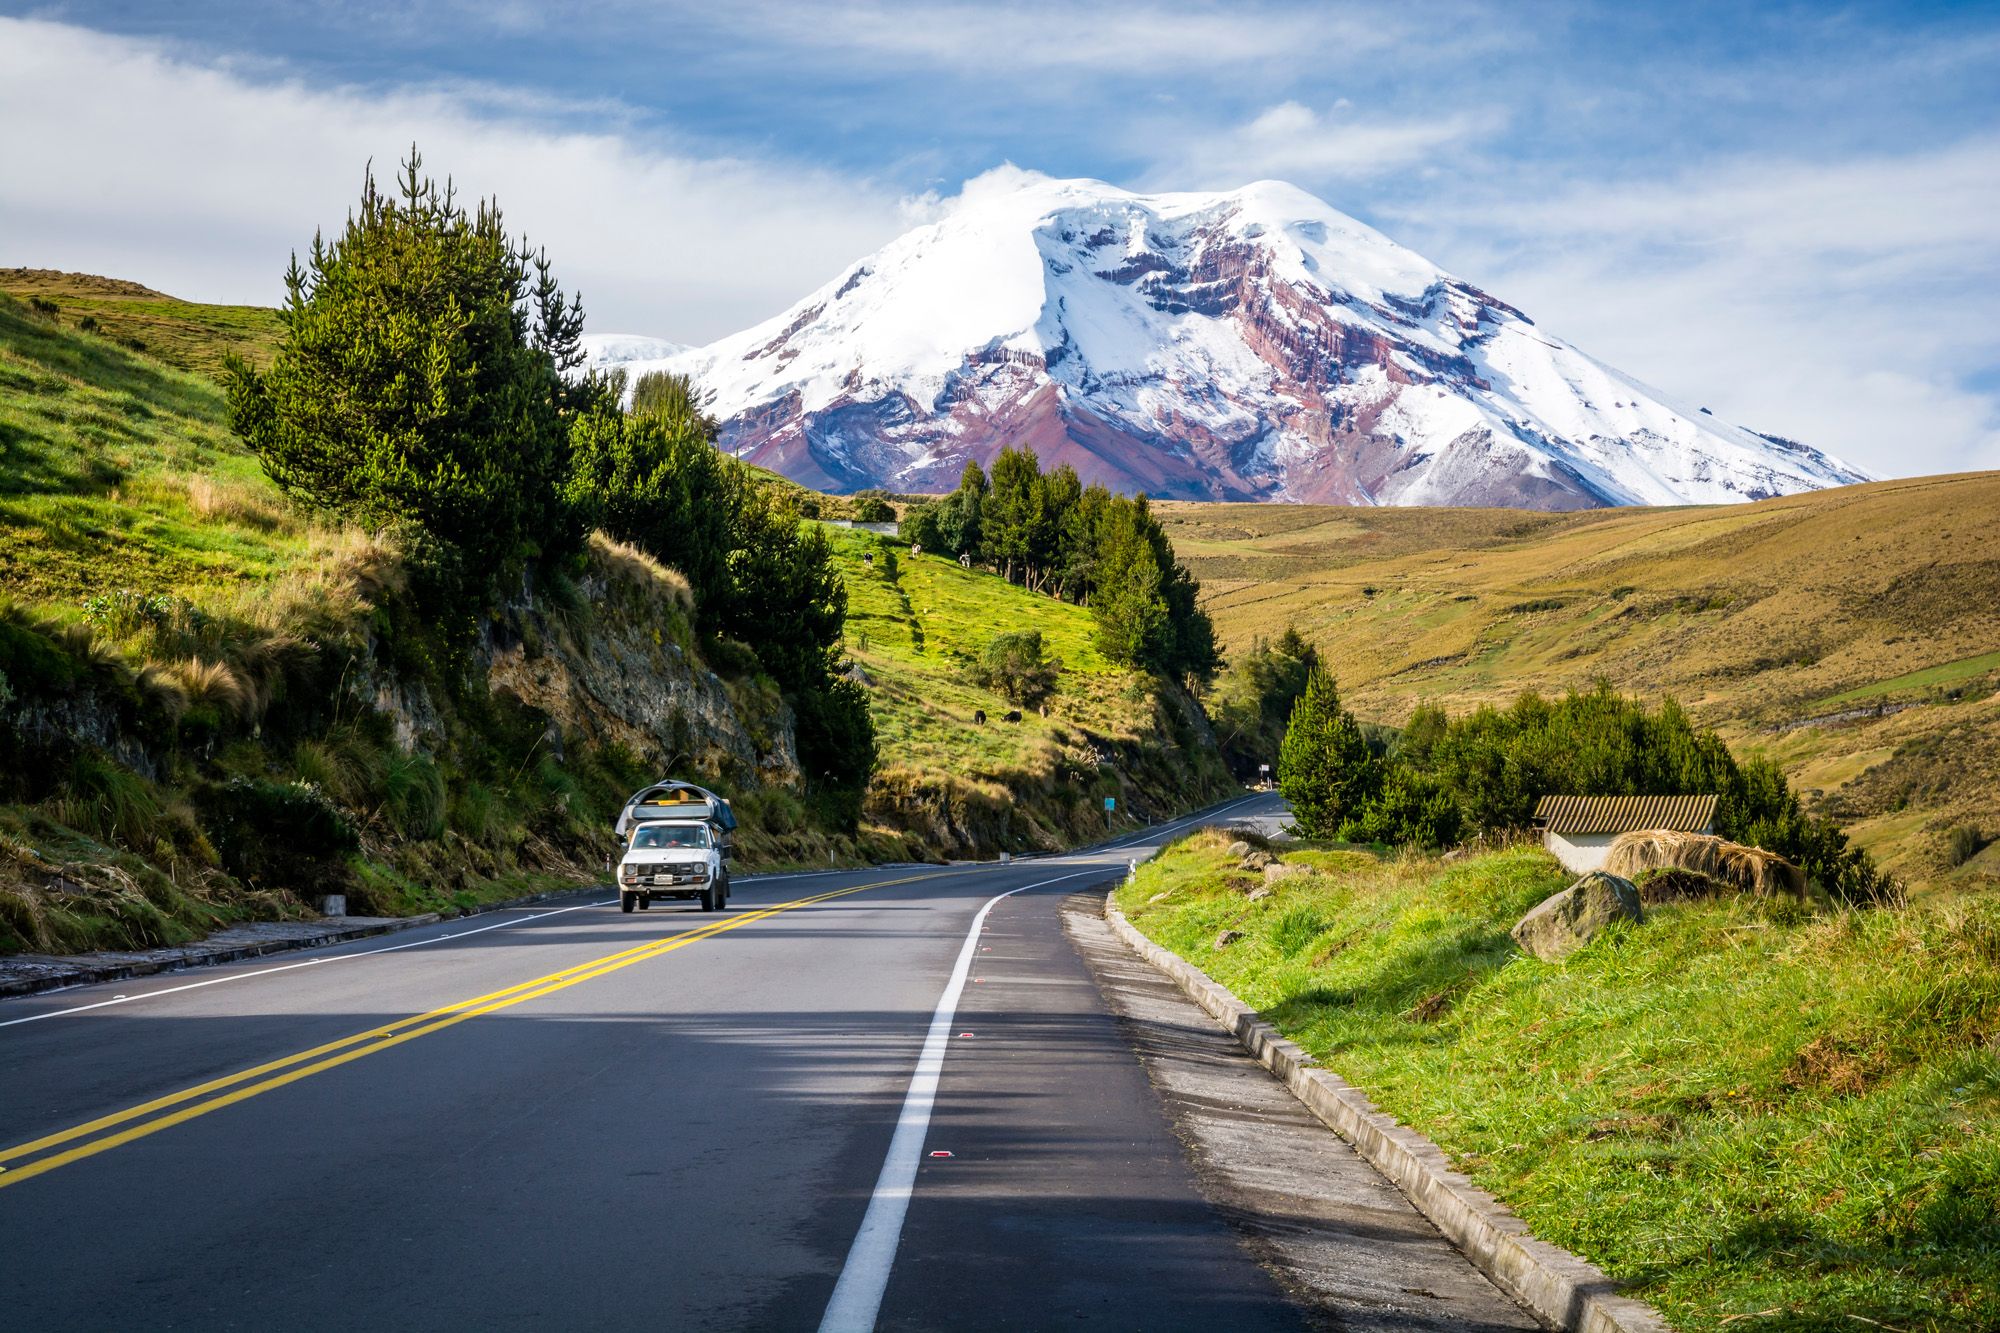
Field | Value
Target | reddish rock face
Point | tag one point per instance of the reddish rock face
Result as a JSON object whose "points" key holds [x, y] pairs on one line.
{"points": [[1243, 346]]}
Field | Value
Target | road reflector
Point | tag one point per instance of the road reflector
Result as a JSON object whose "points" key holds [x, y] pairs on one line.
{"points": [[965, 1034], [940, 1153]]}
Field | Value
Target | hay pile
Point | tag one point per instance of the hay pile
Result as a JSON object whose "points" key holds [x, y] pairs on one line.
{"points": [[1750, 869]]}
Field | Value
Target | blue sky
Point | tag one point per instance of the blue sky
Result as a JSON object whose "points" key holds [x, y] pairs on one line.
{"points": [[1790, 213]]}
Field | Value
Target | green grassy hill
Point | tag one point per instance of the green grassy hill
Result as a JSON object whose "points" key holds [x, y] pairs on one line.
{"points": [[1757, 1116], [169, 626], [916, 624], [187, 335], [117, 471], [1853, 634]]}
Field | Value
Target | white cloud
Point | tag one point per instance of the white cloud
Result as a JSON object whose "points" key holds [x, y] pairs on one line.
{"points": [[200, 179], [1846, 305], [1100, 38], [1292, 141]]}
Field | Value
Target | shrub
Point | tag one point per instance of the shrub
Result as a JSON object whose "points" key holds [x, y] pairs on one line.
{"points": [[283, 835], [87, 324], [1015, 667], [44, 307], [873, 507], [1961, 842]]}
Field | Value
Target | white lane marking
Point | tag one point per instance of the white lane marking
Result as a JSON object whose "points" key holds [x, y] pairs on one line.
{"points": [[857, 1296], [459, 935], [365, 953], [292, 967]]}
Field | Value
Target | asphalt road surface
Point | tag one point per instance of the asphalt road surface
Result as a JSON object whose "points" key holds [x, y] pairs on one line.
{"points": [[890, 1098]]}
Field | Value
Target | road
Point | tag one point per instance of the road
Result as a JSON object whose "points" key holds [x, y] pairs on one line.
{"points": [[890, 1098]]}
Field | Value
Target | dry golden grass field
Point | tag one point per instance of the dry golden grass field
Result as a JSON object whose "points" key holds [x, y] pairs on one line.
{"points": [[1853, 634]]}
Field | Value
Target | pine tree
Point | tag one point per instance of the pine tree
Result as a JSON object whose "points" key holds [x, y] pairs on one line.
{"points": [[1325, 769], [420, 378]]}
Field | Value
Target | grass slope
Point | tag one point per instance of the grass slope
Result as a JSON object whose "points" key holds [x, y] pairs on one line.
{"points": [[915, 624], [118, 471], [1747, 1113], [1764, 619], [187, 335]]}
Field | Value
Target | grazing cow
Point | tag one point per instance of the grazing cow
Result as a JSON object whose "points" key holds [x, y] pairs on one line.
{"points": [[868, 559], [916, 548], [979, 717], [965, 562], [1014, 716]]}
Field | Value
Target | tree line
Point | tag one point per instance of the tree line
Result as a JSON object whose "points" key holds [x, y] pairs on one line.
{"points": [[1443, 779], [426, 381], [1051, 534]]}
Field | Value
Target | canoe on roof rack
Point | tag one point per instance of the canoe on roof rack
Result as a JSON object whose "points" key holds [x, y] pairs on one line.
{"points": [[675, 800]]}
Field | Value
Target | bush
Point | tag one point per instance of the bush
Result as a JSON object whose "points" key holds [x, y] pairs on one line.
{"points": [[1961, 842], [1492, 766], [283, 835], [873, 507], [1016, 668]]}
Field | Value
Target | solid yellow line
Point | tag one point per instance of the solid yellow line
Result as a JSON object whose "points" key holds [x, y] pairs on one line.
{"points": [[349, 1048]]}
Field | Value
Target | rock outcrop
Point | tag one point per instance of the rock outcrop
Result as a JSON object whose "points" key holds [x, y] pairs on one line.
{"points": [[1564, 922]]}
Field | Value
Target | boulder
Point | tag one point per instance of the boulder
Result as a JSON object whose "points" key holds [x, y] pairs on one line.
{"points": [[1238, 849], [1258, 895], [1564, 922], [1227, 938], [1258, 859], [1278, 870]]}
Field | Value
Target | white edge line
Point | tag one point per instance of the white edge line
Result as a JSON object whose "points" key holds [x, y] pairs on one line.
{"points": [[857, 1296], [290, 967]]}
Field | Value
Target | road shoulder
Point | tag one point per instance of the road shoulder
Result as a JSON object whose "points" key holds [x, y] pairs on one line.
{"points": [[1337, 1234]]}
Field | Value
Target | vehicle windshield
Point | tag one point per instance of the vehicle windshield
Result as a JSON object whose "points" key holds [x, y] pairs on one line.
{"points": [[670, 835]]}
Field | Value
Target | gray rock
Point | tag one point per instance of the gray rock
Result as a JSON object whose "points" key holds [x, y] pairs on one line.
{"points": [[1564, 922], [1257, 860], [1227, 938], [1258, 895], [1238, 849], [1278, 870]]}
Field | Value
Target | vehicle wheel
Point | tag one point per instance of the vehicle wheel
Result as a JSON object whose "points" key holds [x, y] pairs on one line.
{"points": [[726, 887], [708, 899], [627, 901], [645, 901]]}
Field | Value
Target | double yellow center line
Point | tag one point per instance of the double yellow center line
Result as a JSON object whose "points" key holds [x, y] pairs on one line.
{"points": [[176, 1108]]}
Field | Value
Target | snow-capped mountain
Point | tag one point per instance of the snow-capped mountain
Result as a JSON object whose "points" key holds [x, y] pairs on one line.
{"points": [[608, 351], [1256, 344]]}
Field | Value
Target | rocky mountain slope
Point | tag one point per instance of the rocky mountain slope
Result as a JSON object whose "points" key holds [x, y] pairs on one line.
{"points": [[1255, 344]]}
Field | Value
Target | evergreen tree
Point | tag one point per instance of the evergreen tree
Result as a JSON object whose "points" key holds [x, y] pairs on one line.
{"points": [[420, 378], [1325, 768]]}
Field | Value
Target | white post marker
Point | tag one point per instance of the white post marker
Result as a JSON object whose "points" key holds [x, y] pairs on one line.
{"points": [[857, 1296]]}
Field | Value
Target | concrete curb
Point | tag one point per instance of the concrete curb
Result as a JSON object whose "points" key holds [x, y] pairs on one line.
{"points": [[1549, 1281], [49, 972]]}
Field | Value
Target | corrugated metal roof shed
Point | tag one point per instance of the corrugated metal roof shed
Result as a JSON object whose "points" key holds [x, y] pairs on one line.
{"points": [[1625, 814]]}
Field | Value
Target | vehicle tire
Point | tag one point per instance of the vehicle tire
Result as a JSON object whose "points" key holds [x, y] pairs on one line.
{"points": [[722, 894], [645, 901], [708, 899], [627, 901]]}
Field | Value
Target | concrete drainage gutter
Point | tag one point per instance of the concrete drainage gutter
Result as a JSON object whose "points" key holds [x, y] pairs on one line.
{"points": [[1551, 1282]]}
